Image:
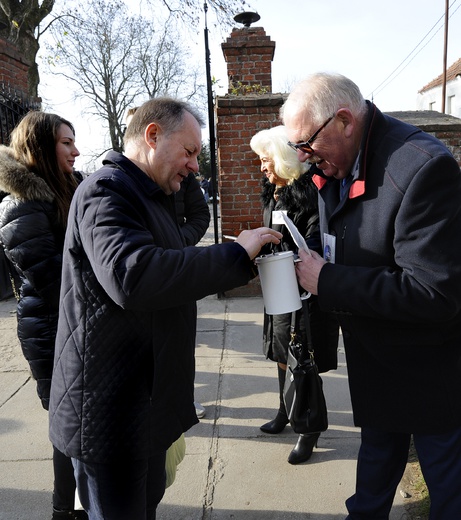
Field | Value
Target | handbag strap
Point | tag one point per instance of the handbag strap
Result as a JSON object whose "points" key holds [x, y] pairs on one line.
{"points": [[307, 351], [307, 325], [293, 325]]}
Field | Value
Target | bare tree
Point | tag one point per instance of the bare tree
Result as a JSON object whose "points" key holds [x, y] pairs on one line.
{"points": [[117, 60], [165, 68], [20, 22]]}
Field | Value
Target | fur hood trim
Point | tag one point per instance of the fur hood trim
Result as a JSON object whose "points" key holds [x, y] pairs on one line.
{"points": [[301, 193], [20, 182]]}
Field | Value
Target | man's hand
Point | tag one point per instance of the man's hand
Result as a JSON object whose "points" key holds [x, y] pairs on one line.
{"points": [[252, 240], [308, 270]]}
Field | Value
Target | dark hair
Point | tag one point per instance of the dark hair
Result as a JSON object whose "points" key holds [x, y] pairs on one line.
{"points": [[33, 142], [167, 112]]}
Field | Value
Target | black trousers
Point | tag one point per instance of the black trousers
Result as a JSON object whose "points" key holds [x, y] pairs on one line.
{"points": [[381, 463], [64, 482]]}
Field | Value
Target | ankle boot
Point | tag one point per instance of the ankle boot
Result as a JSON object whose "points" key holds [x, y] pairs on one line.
{"points": [[276, 425], [304, 448], [281, 420]]}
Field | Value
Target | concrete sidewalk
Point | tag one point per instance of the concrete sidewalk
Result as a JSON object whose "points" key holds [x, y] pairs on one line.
{"points": [[231, 469]]}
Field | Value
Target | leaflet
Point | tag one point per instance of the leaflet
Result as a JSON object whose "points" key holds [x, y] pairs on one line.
{"points": [[296, 235]]}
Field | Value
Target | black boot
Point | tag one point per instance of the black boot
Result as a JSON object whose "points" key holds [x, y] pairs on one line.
{"points": [[281, 420], [304, 448]]}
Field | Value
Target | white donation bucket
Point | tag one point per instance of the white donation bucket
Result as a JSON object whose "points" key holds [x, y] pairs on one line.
{"points": [[278, 283]]}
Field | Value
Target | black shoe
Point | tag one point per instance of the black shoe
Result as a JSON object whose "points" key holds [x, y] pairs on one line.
{"points": [[304, 448], [69, 515], [276, 425]]}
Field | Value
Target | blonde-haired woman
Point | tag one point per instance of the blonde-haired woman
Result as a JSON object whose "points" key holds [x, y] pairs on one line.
{"points": [[287, 186]]}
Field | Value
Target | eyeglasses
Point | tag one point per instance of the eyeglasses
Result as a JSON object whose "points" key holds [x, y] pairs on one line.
{"points": [[306, 146]]}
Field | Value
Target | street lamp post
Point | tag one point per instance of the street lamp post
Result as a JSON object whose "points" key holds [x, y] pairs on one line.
{"points": [[445, 45], [211, 128]]}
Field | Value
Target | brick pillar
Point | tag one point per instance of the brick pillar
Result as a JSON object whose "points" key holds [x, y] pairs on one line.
{"points": [[240, 114], [238, 119], [249, 53], [15, 101], [13, 68]]}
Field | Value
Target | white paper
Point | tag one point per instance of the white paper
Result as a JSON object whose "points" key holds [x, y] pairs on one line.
{"points": [[297, 237], [277, 216]]}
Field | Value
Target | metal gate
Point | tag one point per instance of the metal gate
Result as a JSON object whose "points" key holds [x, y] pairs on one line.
{"points": [[13, 105]]}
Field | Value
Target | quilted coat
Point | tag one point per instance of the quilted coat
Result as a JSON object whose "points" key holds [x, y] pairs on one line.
{"points": [[299, 200], [33, 242], [396, 283], [123, 383]]}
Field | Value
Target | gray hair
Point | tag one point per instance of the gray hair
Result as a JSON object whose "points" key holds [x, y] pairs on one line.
{"points": [[322, 94], [272, 143], [165, 111]]}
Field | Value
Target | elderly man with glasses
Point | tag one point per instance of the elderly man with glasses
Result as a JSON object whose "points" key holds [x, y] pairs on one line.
{"points": [[390, 217]]}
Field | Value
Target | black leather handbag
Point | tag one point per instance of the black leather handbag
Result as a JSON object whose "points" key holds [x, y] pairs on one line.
{"points": [[303, 390]]}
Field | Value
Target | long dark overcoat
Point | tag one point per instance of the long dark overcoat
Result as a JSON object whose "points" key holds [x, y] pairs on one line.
{"points": [[396, 283]]}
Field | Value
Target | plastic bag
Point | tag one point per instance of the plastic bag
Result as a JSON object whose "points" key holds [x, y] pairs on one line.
{"points": [[174, 455]]}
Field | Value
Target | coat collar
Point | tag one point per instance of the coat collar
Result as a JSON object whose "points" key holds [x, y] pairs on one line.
{"points": [[121, 162]]}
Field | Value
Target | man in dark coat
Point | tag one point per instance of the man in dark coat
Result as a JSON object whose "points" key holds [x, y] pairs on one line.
{"points": [[123, 383], [390, 216]]}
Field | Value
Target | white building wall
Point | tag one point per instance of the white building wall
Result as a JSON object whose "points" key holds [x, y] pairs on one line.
{"points": [[432, 99]]}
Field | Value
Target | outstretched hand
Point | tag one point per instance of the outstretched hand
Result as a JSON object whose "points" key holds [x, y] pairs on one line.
{"points": [[252, 240]]}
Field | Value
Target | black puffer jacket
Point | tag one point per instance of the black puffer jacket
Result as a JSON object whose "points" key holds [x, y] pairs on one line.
{"points": [[33, 242], [300, 201]]}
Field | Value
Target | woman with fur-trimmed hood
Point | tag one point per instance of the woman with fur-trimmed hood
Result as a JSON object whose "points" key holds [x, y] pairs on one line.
{"points": [[287, 186], [37, 173]]}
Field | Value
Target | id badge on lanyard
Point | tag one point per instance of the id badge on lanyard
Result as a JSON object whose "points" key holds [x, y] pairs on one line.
{"points": [[329, 248]]}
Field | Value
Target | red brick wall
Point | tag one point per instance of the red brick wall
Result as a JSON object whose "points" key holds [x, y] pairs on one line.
{"points": [[248, 108], [239, 118], [13, 68]]}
